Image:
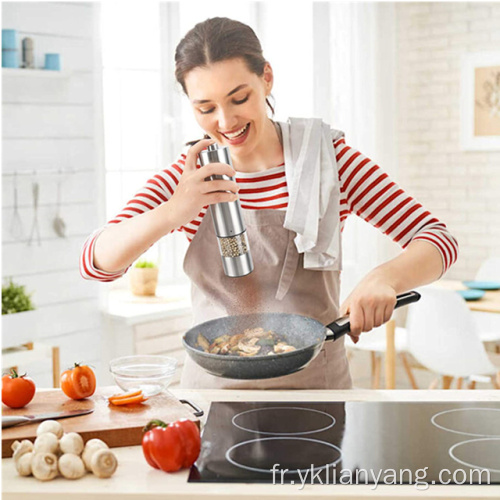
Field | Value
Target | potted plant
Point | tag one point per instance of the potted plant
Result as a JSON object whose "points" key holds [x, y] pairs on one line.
{"points": [[15, 299], [144, 278], [18, 316]]}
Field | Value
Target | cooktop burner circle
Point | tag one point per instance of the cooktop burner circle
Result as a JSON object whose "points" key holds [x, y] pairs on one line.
{"points": [[266, 450], [488, 449], [283, 417], [465, 421]]}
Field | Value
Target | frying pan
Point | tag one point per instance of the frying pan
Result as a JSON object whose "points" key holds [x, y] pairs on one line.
{"points": [[307, 335]]}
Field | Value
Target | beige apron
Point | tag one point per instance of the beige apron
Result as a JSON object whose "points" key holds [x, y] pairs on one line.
{"points": [[279, 283]]}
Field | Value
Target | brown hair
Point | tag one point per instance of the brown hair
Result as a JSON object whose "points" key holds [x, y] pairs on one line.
{"points": [[218, 39]]}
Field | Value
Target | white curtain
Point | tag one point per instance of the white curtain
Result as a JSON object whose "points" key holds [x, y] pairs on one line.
{"points": [[361, 79]]}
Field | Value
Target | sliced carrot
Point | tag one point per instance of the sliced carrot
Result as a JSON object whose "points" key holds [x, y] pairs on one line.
{"points": [[126, 395], [127, 401]]}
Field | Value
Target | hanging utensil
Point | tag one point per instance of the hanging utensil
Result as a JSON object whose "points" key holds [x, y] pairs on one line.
{"points": [[35, 229], [16, 224], [58, 223]]}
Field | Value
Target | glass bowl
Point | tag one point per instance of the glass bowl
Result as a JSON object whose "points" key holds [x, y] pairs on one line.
{"points": [[151, 374]]}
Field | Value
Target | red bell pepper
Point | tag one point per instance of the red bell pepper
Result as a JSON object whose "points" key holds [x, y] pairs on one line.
{"points": [[170, 447]]}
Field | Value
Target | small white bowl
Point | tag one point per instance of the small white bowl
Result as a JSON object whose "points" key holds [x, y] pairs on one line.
{"points": [[151, 374]]}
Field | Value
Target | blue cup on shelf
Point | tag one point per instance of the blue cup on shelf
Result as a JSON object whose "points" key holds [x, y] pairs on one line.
{"points": [[9, 39], [53, 62], [10, 58]]}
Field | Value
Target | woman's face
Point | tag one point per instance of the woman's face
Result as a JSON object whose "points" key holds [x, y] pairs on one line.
{"points": [[229, 103]]}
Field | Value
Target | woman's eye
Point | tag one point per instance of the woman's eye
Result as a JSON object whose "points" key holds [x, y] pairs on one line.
{"points": [[242, 101], [206, 112]]}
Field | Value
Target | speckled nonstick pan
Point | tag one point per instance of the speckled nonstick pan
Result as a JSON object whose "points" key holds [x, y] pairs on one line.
{"points": [[306, 334]]}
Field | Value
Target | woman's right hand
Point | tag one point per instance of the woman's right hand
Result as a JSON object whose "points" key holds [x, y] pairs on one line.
{"points": [[193, 192]]}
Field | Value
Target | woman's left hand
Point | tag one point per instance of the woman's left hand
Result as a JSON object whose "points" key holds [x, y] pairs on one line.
{"points": [[369, 305]]}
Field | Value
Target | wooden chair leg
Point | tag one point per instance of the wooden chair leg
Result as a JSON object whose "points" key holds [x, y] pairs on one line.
{"points": [[390, 355], [495, 380], [376, 373], [408, 370], [56, 368], [460, 381], [447, 380], [433, 385], [472, 384], [373, 356]]}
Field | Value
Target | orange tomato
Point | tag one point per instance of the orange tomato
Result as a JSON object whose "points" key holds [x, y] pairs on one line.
{"points": [[78, 382], [17, 391]]}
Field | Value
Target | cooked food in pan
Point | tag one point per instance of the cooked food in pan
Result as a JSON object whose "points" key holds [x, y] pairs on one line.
{"points": [[252, 342]]}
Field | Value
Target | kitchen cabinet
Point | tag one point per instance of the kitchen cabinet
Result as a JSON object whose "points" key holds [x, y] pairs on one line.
{"points": [[146, 326], [135, 480]]}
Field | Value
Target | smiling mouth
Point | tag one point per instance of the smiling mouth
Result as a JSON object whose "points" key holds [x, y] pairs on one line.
{"points": [[237, 134]]}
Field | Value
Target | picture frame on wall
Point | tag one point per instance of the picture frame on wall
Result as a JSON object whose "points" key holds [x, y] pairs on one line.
{"points": [[480, 101]]}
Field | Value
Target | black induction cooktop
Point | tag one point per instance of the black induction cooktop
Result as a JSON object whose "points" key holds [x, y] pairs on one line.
{"points": [[350, 443]]}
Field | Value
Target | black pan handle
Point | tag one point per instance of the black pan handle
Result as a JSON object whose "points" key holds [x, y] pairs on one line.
{"points": [[342, 325]]}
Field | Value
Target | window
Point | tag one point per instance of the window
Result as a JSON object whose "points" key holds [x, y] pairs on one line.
{"points": [[132, 104]]}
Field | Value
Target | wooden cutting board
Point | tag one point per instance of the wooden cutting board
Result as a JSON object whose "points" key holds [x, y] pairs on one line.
{"points": [[115, 425]]}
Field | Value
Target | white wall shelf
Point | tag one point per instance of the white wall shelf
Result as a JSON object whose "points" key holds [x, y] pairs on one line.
{"points": [[35, 73]]}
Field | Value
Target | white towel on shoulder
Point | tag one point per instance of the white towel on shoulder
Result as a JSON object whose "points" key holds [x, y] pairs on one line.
{"points": [[314, 192]]}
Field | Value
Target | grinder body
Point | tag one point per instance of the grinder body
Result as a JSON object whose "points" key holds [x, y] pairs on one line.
{"points": [[228, 220]]}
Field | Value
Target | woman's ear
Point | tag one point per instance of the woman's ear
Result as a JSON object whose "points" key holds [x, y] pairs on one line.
{"points": [[268, 78]]}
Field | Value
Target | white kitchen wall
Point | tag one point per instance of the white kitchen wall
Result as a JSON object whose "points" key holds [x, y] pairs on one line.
{"points": [[460, 187], [53, 123]]}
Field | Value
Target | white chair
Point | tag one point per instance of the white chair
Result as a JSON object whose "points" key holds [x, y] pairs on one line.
{"points": [[488, 324], [443, 337], [489, 270], [375, 342]]}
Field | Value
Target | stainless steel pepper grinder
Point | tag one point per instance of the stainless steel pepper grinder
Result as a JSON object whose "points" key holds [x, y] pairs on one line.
{"points": [[228, 221]]}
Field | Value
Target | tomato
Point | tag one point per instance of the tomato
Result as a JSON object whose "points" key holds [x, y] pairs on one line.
{"points": [[170, 447], [78, 382], [17, 391]]}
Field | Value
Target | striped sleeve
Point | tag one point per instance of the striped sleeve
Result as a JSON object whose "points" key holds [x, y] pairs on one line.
{"points": [[157, 190], [368, 192]]}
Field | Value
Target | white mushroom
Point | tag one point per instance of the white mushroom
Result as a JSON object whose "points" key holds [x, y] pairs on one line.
{"points": [[71, 466], [52, 426], [92, 442], [44, 466], [71, 443], [23, 464], [46, 442], [20, 448], [91, 447], [103, 463]]}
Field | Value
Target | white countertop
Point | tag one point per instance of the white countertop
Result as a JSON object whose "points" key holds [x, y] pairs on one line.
{"points": [[171, 300], [136, 480]]}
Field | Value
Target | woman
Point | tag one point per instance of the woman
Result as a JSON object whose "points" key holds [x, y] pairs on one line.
{"points": [[220, 66]]}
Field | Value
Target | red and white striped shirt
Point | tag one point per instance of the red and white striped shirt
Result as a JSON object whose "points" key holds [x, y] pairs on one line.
{"points": [[365, 191]]}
